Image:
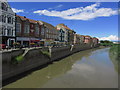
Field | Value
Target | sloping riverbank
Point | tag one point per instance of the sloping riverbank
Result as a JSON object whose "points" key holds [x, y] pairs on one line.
{"points": [[34, 58]]}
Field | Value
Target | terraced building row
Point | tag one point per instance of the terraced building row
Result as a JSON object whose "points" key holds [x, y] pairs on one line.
{"points": [[15, 29]]}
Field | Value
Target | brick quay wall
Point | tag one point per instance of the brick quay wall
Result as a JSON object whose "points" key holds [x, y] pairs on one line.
{"points": [[35, 58]]}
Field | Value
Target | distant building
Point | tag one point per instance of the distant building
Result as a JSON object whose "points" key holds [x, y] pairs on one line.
{"points": [[49, 34], [71, 34], [7, 24], [61, 26], [88, 39], [68, 33], [82, 39], [61, 36], [95, 41], [76, 39], [27, 31]]}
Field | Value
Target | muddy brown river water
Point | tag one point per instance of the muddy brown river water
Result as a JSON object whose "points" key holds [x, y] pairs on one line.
{"points": [[87, 69]]}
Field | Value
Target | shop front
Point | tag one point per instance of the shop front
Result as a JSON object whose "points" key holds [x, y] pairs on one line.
{"points": [[9, 41], [34, 43], [23, 41], [42, 42], [28, 42]]}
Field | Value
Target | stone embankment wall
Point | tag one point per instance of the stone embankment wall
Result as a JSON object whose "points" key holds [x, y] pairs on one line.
{"points": [[34, 58]]}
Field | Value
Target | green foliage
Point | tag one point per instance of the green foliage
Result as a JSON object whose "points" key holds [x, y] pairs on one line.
{"points": [[115, 49], [19, 58], [46, 53], [115, 55], [106, 43]]}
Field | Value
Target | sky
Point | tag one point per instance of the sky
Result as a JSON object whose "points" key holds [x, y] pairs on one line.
{"points": [[97, 19]]}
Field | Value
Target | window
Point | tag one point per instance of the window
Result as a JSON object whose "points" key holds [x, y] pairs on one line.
{"points": [[32, 25], [4, 18], [9, 19], [4, 6], [18, 27], [9, 31], [3, 30], [0, 30], [0, 18], [42, 31], [26, 29], [46, 30], [37, 30]]}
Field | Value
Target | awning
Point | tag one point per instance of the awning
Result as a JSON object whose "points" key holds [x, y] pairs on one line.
{"points": [[27, 39], [34, 40]]}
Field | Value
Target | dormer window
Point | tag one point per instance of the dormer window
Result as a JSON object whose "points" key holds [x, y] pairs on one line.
{"points": [[4, 6]]}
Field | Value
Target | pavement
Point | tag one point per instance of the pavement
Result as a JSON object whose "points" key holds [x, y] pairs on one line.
{"points": [[9, 50]]}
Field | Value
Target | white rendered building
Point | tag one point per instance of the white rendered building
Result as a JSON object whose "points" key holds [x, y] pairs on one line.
{"points": [[7, 24]]}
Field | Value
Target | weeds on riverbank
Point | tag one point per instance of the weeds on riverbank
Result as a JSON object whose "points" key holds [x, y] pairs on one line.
{"points": [[19, 58], [115, 50], [46, 53], [115, 56]]}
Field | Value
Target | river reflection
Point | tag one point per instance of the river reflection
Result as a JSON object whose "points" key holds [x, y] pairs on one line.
{"points": [[86, 69]]}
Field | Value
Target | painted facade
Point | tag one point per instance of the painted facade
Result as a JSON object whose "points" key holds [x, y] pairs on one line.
{"points": [[76, 39], [68, 33], [61, 36], [82, 39], [95, 41], [71, 34], [88, 39], [61, 26], [7, 24]]}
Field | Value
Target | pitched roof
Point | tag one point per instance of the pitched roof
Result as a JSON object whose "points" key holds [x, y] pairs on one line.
{"points": [[82, 35], [87, 36], [62, 24], [48, 25], [95, 38], [30, 20]]}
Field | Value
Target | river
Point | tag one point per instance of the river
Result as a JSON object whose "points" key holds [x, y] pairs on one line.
{"points": [[86, 69]]}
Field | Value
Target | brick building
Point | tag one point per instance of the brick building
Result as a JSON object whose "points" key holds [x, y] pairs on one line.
{"points": [[27, 31], [49, 34]]}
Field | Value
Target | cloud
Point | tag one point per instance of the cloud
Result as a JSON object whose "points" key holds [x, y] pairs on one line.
{"points": [[111, 38], [83, 67], [59, 5], [80, 13], [17, 10], [56, 7]]}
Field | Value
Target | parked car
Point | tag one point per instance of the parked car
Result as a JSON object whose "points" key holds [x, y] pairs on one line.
{"points": [[2, 46]]}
